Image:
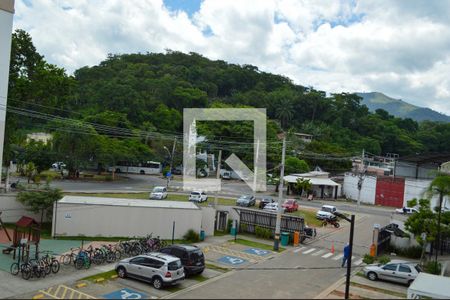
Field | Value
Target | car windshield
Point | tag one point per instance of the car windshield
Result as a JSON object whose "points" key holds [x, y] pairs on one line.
{"points": [[246, 197], [289, 201], [327, 209], [418, 268], [158, 190], [195, 193], [175, 265]]}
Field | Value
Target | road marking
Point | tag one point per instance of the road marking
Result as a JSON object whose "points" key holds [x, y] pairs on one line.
{"points": [[327, 255], [309, 251], [318, 253], [358, 262], [299, 249], [74, 294], [338, 257]]}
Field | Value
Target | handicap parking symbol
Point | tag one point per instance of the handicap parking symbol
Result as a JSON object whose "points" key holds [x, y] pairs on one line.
{"points": [[231, 260], [256, 251], [125, 294]]}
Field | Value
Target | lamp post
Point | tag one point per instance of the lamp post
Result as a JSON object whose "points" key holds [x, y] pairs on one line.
{"points": [[170, 166], [349, 260]]}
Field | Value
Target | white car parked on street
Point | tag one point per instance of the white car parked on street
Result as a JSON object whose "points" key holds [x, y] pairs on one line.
{"points": [[198, 196], [273, 207], [326, 212], [406, 210], [159, 193]]}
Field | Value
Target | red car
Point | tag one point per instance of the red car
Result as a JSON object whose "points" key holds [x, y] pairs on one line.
{"points": [[290, 205]]}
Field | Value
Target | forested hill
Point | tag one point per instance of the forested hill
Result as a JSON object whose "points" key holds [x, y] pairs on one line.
{"points": [[400, 108], [149, 91]]}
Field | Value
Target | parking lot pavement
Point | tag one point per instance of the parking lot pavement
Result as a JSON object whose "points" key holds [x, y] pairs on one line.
{"points": [[114, 288]]}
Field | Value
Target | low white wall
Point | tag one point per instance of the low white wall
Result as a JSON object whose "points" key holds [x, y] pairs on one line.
{"points": [[416, 188], [350, 188], [12, 209], [123, 221]]}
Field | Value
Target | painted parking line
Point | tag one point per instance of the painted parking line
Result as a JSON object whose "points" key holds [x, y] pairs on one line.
{"points": [[299, 249], [327, 255], [318, 253], [337, 257], [64, 292], [309, 251]]}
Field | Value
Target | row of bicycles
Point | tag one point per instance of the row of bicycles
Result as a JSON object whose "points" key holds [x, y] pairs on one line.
{"points": [[36, 268], [83, 258]]}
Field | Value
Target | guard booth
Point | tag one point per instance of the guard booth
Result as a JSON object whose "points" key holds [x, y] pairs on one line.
{"points": [[249, 219]]}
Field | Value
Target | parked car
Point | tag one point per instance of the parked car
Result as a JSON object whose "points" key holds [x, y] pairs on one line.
{"points": [[290, 205], [159, 193], [198, 196], [192, 258], [177, 170], [397, 271], [273, 207], [226, 175], [157, 268], [406, 210], [265, 200], [58, 165], [246, 200], [326, 212]]}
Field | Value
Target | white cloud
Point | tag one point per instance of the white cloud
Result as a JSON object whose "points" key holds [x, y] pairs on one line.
{"points": [[401, 48]]}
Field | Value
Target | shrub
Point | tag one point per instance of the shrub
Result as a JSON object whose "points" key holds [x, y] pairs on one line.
{"points": [[243, 228], [108, 177], [165, 170], [410, 252], [258, 231], [191, 236], [384, 259], [433, 267], [368, 259]]}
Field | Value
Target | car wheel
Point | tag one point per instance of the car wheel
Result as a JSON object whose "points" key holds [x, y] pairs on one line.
{"points": [[121, 272], [157, 283], [372, 276]]}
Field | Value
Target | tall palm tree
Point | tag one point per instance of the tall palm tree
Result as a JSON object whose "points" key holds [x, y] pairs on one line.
{"points": [[285, 111], [439, 186]]}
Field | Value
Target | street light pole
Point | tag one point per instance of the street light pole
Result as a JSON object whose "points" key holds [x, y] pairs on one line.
{"points": [[280, 198], [350, 244]]}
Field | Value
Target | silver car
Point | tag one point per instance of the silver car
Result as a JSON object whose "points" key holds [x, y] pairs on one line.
{"points": [[158, 268], [397, 271]]}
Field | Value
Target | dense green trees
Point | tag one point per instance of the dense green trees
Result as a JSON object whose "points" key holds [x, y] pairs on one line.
{"points": [[133, 95]]}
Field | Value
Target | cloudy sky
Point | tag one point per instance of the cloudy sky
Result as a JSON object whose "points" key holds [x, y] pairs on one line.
{"points": [[400, 48]]}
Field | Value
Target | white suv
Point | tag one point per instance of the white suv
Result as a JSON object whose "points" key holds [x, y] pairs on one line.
{"points": [[159, 192], [326, 212], [158, 268], [198, 196]]}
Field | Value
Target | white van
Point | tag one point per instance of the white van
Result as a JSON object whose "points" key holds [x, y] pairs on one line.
{"points": [[326, 211]]}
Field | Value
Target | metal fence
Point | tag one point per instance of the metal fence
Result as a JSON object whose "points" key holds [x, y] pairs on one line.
{"points": [[252, 218], [384, 238]]}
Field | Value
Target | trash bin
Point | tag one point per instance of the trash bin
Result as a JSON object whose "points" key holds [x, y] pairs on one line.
{"points": [[202, 235], [233, 231], [284, 238]]}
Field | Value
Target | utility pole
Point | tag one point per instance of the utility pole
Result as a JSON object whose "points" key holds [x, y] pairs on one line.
{"points": [[256, 168], [171, 159], [360, 179], [280, 197], [219, 161]]}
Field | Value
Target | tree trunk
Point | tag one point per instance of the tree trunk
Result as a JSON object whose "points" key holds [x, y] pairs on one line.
{"points": [[42, 215]]}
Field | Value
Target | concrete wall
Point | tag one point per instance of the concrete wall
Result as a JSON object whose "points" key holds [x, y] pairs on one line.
{"points": [[12, 210], [408, 169], [208, 220], [350, 188], [122, 221]]}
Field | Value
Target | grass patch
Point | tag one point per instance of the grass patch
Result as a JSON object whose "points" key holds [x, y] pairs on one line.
{"points": [[198, 277], [105, 275], [375, 289], [309, 216], [360, 274], [256, 245], [173, 289], [220, 233], [217, 268]]}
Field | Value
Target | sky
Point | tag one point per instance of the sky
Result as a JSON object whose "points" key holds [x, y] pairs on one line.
{"points": [[400, 48]]}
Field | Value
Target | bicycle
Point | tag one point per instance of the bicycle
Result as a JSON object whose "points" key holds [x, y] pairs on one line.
{"points": [[69, 258]]}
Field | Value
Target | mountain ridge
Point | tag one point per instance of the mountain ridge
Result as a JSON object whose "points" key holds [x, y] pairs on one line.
{"points": [[401, 108]]}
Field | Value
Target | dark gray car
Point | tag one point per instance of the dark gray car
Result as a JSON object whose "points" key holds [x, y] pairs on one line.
{"points": [[246, 200]]}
